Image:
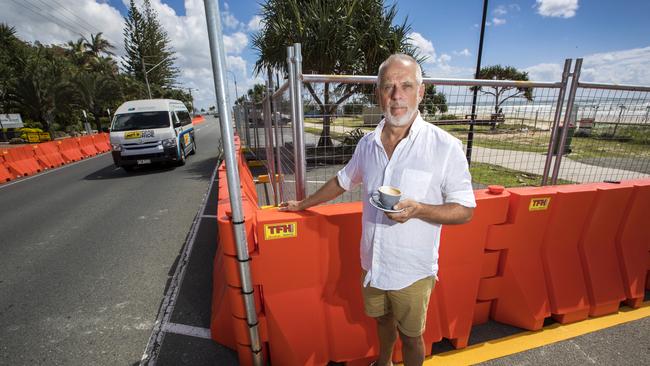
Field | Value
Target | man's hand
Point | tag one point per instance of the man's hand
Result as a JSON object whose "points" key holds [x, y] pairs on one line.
{"points": [[410, 207], [290, 206]]}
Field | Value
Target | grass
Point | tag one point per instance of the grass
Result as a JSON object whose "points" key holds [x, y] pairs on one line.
{"points": [[489, 174]]}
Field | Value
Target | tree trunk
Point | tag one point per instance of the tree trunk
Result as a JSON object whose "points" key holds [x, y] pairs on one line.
{"points": [[325, 139]]}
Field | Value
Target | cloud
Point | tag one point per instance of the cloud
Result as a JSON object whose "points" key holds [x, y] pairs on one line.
{"points": [[255, 23], [619, 67], [188, 35], [424, 46], [464, 52], [500, 10], [498, 21], [557, 8]]}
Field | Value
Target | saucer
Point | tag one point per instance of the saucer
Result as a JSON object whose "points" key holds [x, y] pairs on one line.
{"points": [[378, 206]]}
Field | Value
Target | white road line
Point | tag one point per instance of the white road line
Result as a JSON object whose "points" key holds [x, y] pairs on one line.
{"points": [[48, 171], [208, 216], [187, 330], [150, 355]]}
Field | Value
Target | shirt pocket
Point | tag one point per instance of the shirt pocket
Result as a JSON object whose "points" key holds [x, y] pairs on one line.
{"points": [[415, 183]]}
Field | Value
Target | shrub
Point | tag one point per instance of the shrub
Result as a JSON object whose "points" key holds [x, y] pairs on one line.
{"points": [[446, 117]]}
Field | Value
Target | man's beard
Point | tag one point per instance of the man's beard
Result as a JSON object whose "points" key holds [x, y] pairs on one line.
{"points": [[402, 120]]}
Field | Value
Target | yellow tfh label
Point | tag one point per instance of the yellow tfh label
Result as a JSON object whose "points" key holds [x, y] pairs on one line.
{"points": [[539, 204], [133, 135], [280, 230]]}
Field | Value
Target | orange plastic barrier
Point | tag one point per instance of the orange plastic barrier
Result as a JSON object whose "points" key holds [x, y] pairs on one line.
{"points": [[462, 253], [101, 142], [69, 149], [5, 174], [633, 243], [87, 146], [528, 253], [21, 161], [522, 294], [198, 120], [47, 154]]}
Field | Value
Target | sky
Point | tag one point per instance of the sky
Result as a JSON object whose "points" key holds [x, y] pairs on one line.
{"points": [[536, 36]]}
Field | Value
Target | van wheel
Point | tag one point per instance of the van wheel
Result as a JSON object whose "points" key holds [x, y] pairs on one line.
{"points": [[181, 160], [193, 151]]}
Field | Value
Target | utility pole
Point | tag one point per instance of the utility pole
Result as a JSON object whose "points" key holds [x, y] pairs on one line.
{"points": [[470, 134], [146, 79]]}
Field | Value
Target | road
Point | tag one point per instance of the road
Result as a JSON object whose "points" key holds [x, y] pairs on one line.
{"points": [[86, 252]]}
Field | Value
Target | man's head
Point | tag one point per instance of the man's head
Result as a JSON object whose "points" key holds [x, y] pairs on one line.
{"points": [[400, 89]]}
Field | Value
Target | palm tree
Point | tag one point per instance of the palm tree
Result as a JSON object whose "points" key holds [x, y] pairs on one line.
{"points": [[97, 46], [340, 37], [43, 90], [95, 93], [76, 50]]}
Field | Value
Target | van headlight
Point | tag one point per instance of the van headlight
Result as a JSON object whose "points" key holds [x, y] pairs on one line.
{"points": [[169, 142], [116, 147]]}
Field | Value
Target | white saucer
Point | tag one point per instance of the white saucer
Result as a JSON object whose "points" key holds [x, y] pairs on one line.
{"points": [[378, 206]]}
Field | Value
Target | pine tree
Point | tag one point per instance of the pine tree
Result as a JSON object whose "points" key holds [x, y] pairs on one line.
{"points": [[146, 42]]}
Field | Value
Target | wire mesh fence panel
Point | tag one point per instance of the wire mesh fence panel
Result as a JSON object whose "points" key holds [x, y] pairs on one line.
{"points": [[609, 136], [510, 136]]}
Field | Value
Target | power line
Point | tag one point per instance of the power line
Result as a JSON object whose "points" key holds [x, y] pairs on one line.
{"points": [[54, 20], [53, 11], [74, 15]]}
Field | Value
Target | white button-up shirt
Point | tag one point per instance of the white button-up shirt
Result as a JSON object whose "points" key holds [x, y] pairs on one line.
{"points": [[428, 166]]}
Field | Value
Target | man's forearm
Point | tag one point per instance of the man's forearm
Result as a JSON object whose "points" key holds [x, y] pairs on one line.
{"points": [[328, 191], [446, 214]]}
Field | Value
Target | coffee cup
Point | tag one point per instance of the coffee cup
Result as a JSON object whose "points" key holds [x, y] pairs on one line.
{"points": [[389, 196]]}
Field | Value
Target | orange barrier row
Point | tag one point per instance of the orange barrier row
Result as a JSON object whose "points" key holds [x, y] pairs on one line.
{"points": [[528, 254], [198, 120], [48, 155], [30, 159], [21, 161]]}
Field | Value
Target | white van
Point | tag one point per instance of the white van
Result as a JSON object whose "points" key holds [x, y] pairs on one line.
{"points": [[150, 131]]}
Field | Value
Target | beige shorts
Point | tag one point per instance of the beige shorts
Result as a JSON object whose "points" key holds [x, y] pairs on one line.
{"points": [[408, 305]]}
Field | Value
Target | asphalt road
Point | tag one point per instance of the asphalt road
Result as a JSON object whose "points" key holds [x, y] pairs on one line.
{"points": [[86, 252]]}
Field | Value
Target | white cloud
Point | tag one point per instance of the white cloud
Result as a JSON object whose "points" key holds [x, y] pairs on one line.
{"points": [[500, 10], [498, 21], [464, 52], [557, 8], [619, 67], [424, 45], [255, 23], [187, 33]]}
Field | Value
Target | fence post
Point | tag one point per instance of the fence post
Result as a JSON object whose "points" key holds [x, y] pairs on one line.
{"points": [[275, 113], [575, 77], [556, 120], [268, 138], [301, 162], [296, 122], [218, 58]]}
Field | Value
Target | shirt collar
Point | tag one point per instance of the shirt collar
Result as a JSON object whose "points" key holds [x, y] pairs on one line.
{"points": [[416, 126]]}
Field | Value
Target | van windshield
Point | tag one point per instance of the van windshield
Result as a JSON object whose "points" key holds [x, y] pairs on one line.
{"points": [[141, 121]]}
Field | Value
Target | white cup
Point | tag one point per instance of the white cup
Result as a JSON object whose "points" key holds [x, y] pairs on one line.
{"points": [[389, 196]]}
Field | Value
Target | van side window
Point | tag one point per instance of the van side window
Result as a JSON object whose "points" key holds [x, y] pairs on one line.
{"points": [[184, 116], [174, 119]]}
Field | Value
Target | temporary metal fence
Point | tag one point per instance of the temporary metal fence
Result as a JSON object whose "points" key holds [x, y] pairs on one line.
{"points": [[517, 129]]}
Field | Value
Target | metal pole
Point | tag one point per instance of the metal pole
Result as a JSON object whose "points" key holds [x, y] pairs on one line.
{"points": [[218, 66], [301, 162], [291, 67], [276, 128], [556, 120], [470, 134], [567, 119], [268, 139], [146, 79]]}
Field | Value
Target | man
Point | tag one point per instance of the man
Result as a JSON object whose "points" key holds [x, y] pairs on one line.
{"points": [[399, 250]]}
